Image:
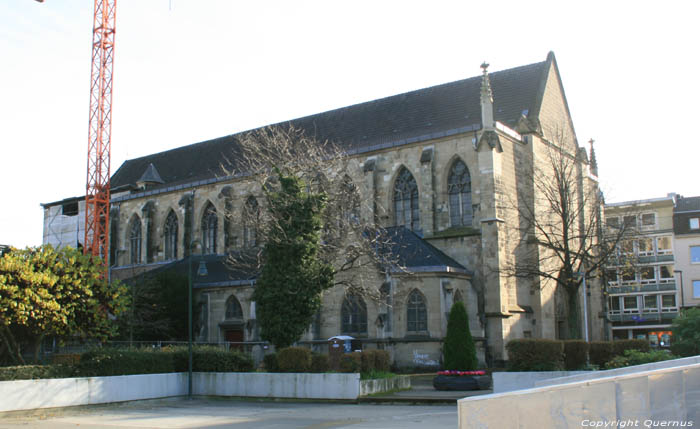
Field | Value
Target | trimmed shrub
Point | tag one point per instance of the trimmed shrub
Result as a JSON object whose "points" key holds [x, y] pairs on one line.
{"points": [[686, 333], [459, 352], [270, 361], [634, 357], [367, 360], [351, 362], [600, 352], [575, 354], [382, 361], [533, 354], [35, 372], [621, 346], [107, 362], [319, 362], [66, 359], [294, 359], [214, 359]]}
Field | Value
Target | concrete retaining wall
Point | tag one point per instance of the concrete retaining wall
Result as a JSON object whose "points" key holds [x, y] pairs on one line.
{"points": [[589, 375], [667, 397], [50, 393], [64, 392], [275, 385], [369, 387], [509, 381]]}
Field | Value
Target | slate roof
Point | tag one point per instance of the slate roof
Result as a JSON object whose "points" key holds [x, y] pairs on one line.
{"points": [[687, 204], [417, 255], [424, 112]]}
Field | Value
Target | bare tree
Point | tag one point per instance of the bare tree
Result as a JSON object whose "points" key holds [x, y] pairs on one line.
{"points": [[353, 244], [562, 236]]}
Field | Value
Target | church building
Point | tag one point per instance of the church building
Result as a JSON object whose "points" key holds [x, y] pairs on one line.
{"points": [[444, 168]]}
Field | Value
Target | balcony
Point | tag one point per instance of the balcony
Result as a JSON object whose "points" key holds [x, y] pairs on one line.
{"points": [[663, 285], [655, 258], [665, 315]]}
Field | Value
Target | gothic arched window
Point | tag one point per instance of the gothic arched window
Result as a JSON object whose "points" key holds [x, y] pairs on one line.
{"points": [[233, 308], [170, 235], [251, 218], [406, 211], [459, 189], [209, 227], [135, 240], [353, 315], [416, 313]]}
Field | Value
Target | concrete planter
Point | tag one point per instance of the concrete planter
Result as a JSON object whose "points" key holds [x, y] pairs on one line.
{"points": [[369, 387], [461, 382]]}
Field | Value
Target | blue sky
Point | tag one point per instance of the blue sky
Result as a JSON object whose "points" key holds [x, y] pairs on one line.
{"points": [[187, 71]]}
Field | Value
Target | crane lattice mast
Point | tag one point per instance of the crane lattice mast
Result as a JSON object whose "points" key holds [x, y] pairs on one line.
{"points": [[100, 131]]}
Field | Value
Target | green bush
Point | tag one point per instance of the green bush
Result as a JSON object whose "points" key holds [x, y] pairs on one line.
{"points": [[531, 354], [319, 362], [621, 346], [686, 333], [635, 357], [294, 359], [351, 362], [382, 361], [600, 352], [575, 354], [214, 359], [459, 352], [367, 360], [270, 361], [35, 372], [107, 362]]}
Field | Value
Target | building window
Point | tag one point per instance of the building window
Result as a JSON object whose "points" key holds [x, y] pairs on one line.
{"points": [[663, 245], [627, 247], [645, 247], [668, 301], [666, 274], [459, 189], [416, 313], [615, 304], [651, 304], [353, 315], [251, 219], [648, 219], [613, 222], [694, 223], [647, 275], [630, 304], [71, 209], [630, 222], [135, 240], [696, 288], [406, 210], [628, 276], [209, 224], [233, 308], [611, 276], [695, 254], [170, 235]]}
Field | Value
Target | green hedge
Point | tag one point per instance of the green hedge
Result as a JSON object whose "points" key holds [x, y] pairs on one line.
{"points": [[600, 352], [294, 359], [533, 354], [34, 372], [351, 362], [106, 362], [575, 354], [319, 362], [635, 357]]}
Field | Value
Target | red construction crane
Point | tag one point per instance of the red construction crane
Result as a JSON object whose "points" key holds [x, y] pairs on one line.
{"points": [[100, 131]]}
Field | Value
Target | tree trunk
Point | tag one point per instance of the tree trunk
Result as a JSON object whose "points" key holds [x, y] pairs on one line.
{"points": [[36, 344], [12, 346], [573, 314]]}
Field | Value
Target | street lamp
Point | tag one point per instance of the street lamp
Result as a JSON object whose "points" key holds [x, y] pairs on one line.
{"points": [[201, 271]]}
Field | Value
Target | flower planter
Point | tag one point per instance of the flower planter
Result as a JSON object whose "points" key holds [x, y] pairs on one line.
{"points": [[461, 380]]}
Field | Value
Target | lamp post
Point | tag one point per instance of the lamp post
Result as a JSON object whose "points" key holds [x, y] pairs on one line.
{"points": [[201, 271]]}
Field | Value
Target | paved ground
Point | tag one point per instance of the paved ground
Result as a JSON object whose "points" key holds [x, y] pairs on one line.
{"points": [[421, 407], [239, 414]]}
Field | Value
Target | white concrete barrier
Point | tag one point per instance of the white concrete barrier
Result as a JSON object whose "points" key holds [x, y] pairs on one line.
{"points": [[668, 397], [589, 375], [63, 392], [51, 393], [509, 381], [276, 385]]}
